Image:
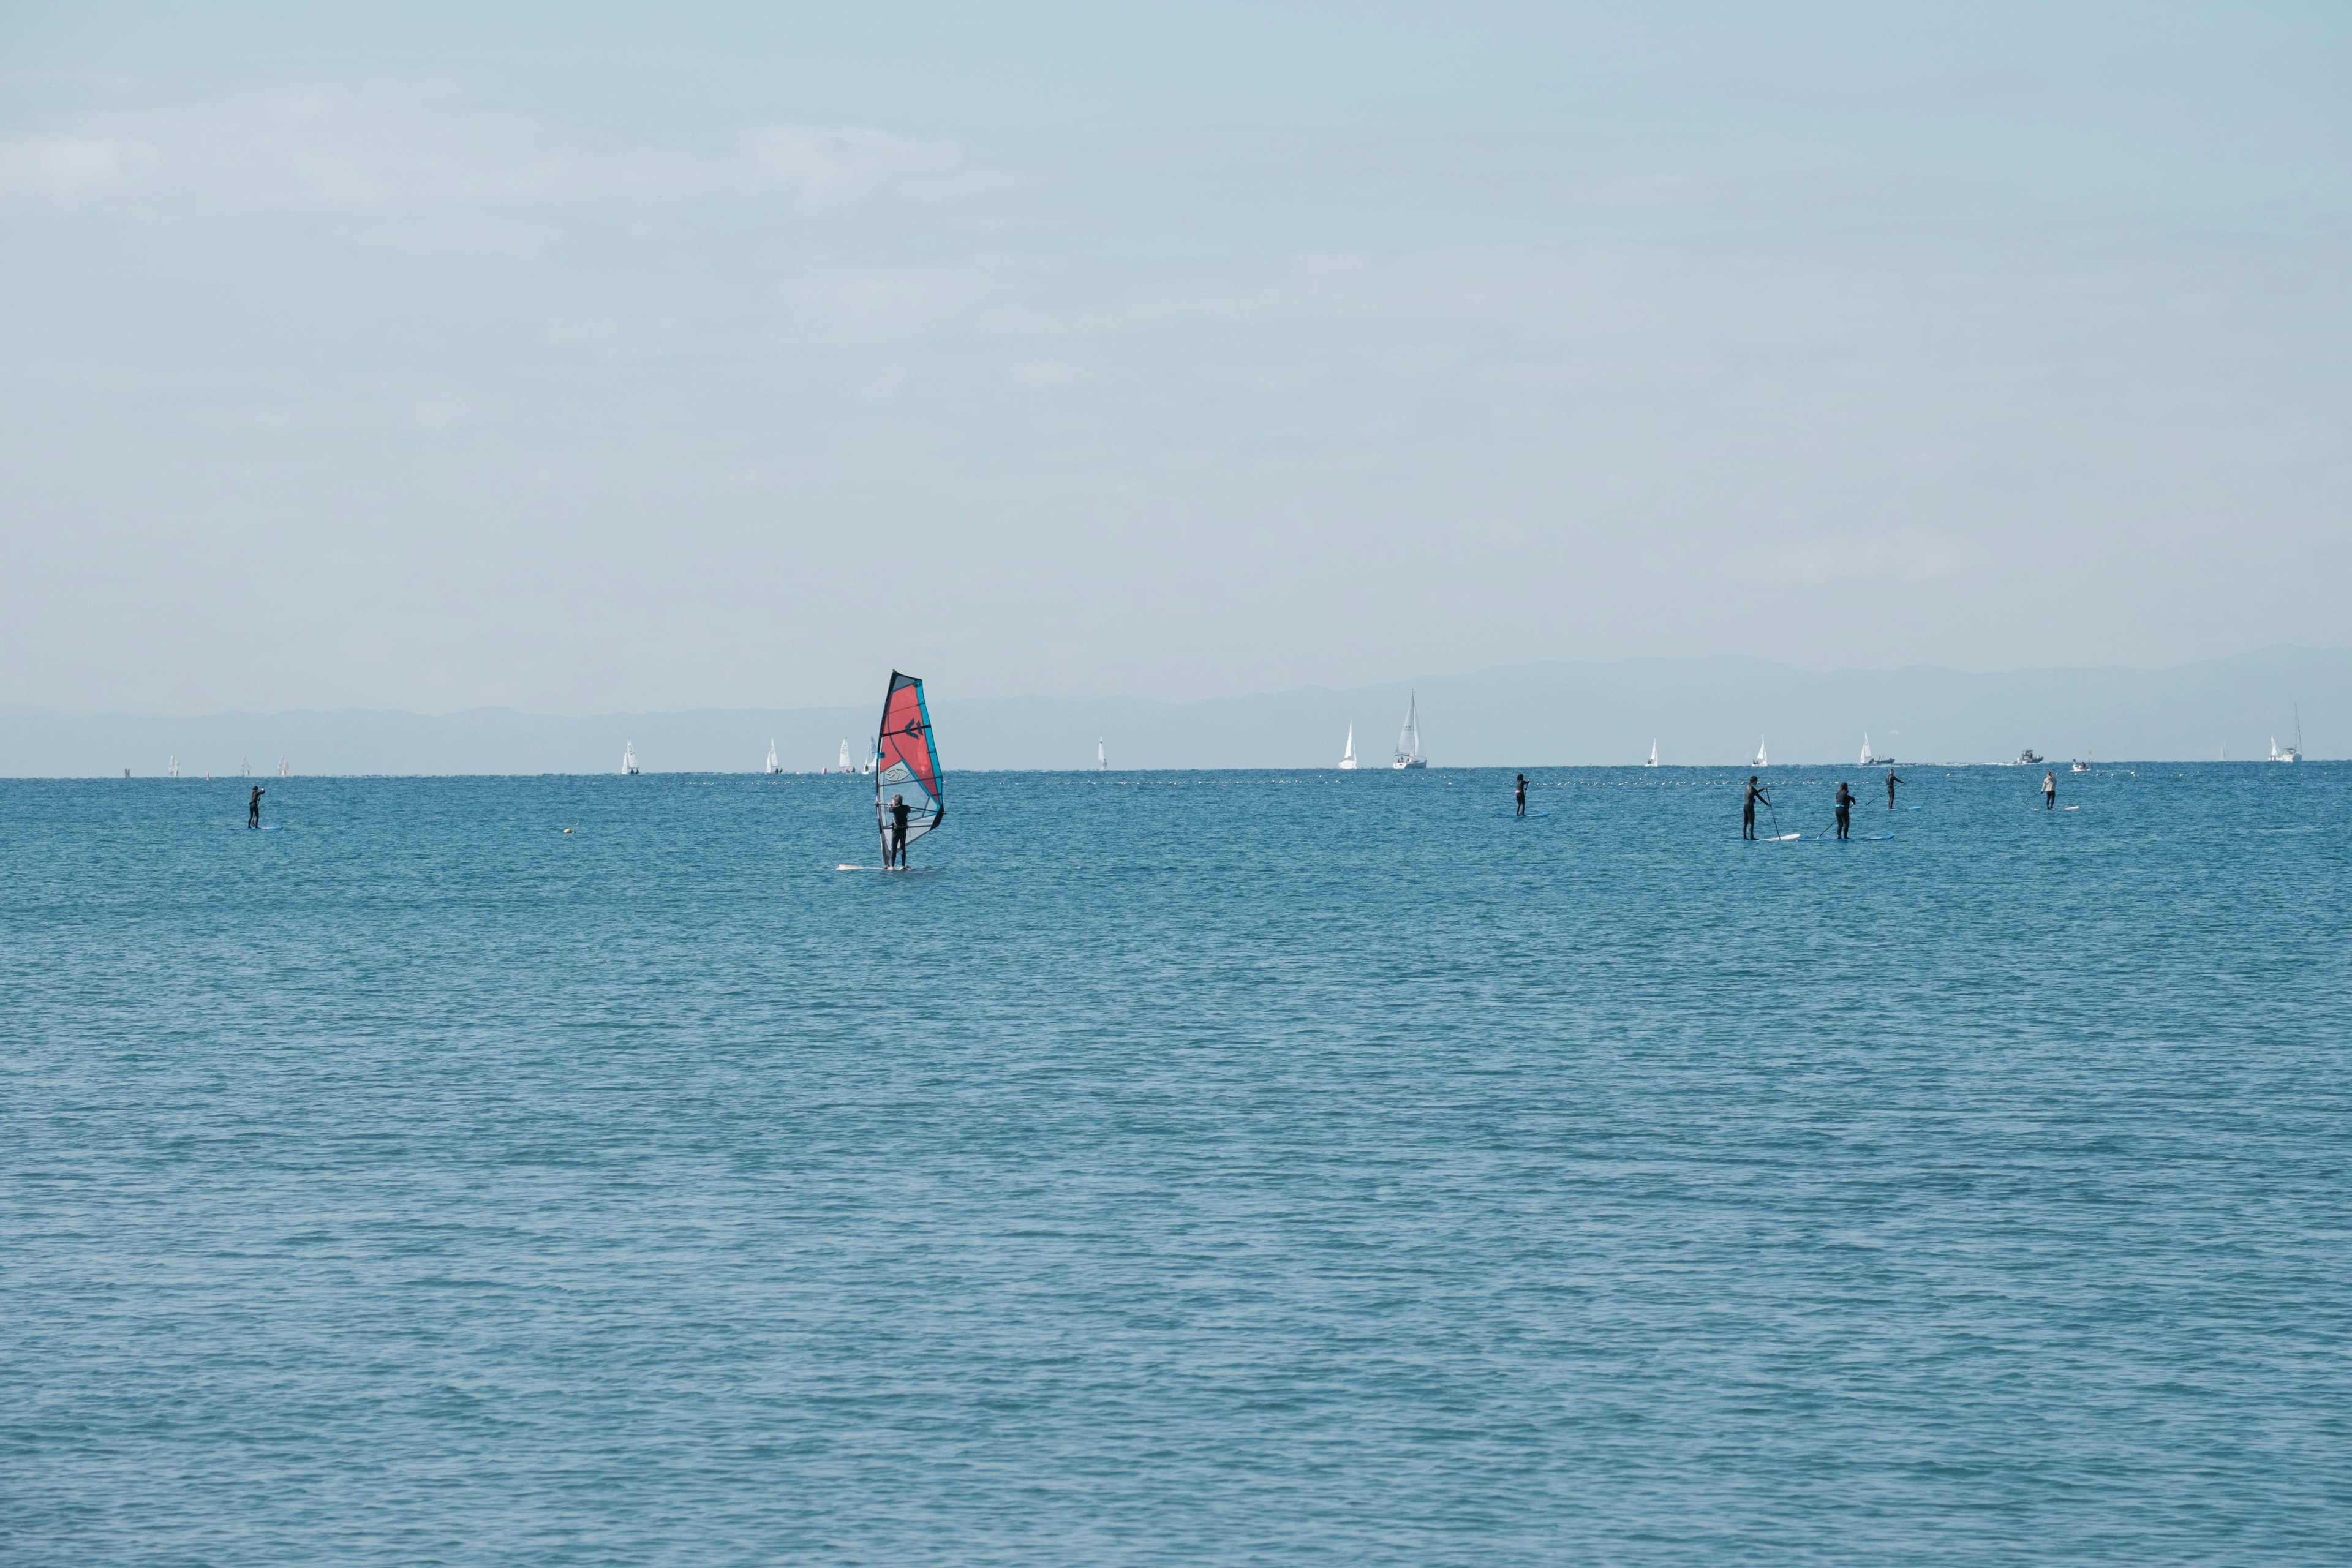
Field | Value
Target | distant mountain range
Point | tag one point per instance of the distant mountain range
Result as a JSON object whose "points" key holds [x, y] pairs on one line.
{"points": [[1710, 712]]}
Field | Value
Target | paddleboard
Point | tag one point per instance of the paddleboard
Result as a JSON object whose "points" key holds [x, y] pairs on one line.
{"points": [[1515, 815]]}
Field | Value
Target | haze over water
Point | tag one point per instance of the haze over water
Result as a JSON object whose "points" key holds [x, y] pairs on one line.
{"points": [[1179, 1168]]}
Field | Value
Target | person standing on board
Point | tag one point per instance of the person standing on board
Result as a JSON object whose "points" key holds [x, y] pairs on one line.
{"points": [[2050, 790], [1891, 782], [1522, 796], [1844, 800], [253, 809], [900, 812], [1748, 808]]}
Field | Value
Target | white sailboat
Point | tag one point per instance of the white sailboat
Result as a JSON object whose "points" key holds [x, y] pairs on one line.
{"points": [[1348, 757], [1653, 756], [773, 765], [1871, 759], [2292, 753], [844, 756], [175, 769], [1408, 751], [1102, 761], [284, 771], [629, 757], [1760, 762]]}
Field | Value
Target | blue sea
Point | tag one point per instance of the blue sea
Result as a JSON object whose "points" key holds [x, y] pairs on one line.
{"points": [[1177, 1168]]}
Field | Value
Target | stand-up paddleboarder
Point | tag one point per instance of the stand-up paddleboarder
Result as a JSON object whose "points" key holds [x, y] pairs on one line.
{"points": [[253, 809], [1845, 799], [1891, 782], [2050, 790], [1747, 806], [1522, 795]]}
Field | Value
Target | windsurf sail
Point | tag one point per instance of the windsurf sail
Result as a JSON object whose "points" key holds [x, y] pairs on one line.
{"points": [[907, 764]]}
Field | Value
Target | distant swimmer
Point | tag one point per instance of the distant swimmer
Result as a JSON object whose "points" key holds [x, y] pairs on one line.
{"points": [[1891, 782], [253, 809], [896, 852], [1748, 808], [2050, 791], [1844, 808], [1523, 794]]}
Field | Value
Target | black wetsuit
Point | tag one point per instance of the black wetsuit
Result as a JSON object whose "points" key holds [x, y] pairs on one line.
{"points": [[900, 812], [1891, 782], [1523, 794], [1748, 808], [1844, 809], [253, 809]]}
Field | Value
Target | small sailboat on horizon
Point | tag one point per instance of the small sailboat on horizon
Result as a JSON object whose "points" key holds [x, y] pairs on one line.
{"points": [[1653, 756], [773, 765], [1408, 751], [1348, 757], [629, 758], [1758, 760], [2292, 753]]}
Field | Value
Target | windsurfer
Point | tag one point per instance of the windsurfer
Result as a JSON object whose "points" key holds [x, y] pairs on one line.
{"points": [[1748, 808], [1522, 795], [900, 812]]}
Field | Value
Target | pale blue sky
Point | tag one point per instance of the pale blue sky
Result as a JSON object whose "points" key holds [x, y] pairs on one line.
{"points": [[590, 359]]}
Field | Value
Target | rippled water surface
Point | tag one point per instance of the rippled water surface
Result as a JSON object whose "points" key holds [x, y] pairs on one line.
{"points": [[1177, 1168]]}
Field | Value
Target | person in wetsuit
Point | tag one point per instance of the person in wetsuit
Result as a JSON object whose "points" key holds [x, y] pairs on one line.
{"points": [[1522, 795], [2050, 790], [900, 812], [1891, 782], [1845, 799], [1748, 808], [253, 809]]}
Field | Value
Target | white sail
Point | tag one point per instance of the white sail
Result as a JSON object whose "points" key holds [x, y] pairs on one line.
{"points": [[1348, 757], [1102, 761], [628, 756], [1653, 756], [1760, 761], [844, 756], [1866, 758], [773, 766]]}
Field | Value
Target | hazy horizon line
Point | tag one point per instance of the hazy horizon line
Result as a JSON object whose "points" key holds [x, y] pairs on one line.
{"points": [[18, 707]]}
